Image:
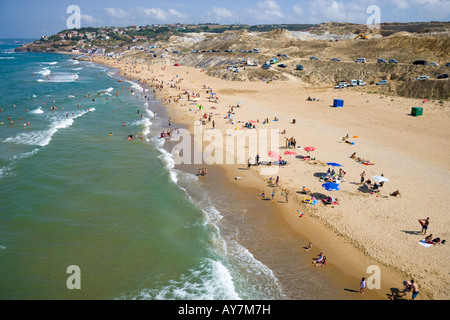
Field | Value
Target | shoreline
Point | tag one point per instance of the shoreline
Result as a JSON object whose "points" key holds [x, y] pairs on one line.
{"points": [[288, 217]]}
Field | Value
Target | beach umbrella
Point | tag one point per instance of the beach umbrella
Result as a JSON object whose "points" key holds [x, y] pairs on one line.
{"points": [[331, 186], [290, 153], [274, 155], [379, 179], [309, 149], [334, 164]]}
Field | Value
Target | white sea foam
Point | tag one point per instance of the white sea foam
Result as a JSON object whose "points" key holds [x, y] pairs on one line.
{"points": [[211, 280], [136, 86], [2, 247], [37, 111], [25, 154], [50, 63], [61, 77], [75, 61], [6, 58], [167, 158], [43, 138], [6, 172], [76, 69], [44, 72], [106, 90]]}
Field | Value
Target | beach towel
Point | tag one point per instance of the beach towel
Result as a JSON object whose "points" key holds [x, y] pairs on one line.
{"points": [[425, 244]]}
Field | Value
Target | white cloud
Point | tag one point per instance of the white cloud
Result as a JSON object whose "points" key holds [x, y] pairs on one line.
{"points": [[154, 13], [117, 13], [267, 11], [87, 18], [177, 14], [159, 14], [317, 11], [220, 14], [297, 10]]}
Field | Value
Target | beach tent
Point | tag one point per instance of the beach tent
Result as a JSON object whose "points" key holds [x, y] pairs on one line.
{"points": [[334, 164], [331, 186], [338, 103]]}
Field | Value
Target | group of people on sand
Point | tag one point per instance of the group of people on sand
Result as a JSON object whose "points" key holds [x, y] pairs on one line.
{"points": [[202, 172], [264, 197], [291, 142], [320, 261]]}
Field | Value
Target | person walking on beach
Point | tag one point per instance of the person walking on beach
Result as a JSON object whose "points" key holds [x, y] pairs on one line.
{"points": [[424, 223], [363, 176], [287, 197], [362, 285], [273, 194]]}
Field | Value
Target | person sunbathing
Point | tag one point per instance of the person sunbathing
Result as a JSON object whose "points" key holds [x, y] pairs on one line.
{"points": [[396, 193]]}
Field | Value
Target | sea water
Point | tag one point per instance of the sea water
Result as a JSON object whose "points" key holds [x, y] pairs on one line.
{"points": [[75, 191]]}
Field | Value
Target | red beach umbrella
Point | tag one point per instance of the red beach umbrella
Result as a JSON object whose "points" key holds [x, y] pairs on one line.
{"points": [[308, 149], [274, 155]]}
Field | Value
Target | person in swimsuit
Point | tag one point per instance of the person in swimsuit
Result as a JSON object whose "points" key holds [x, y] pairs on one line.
{"points": [[415, 290], [425, 223]]}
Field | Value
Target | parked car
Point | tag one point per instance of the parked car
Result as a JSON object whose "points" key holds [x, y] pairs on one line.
{"points": [[341, 85], [443, 76], [314, 58], [335, 59], [282, 65], [266, 65], [421, 62], [382, 82], [299, 67], [433, 64], [393, 61], [381, 61], [362, 60], [423, 78]]}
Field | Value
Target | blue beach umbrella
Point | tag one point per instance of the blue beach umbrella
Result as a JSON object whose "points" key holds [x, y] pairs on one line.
{"points": [[331, 186], [334, 164]]}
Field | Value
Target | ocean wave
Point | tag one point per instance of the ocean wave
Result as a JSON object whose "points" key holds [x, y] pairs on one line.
{"points": [[135, 86], [61, 77], [37, 111], [6, 58], [44, 72], [211, 280], [167, 158], [25, 155], [43, 138], [50, 63], [6, 172]]}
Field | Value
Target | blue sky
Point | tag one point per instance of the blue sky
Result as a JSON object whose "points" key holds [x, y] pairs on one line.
{"points": [[24, 18]]}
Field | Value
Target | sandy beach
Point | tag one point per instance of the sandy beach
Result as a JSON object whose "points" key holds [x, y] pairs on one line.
{"points": [[365, 228]]}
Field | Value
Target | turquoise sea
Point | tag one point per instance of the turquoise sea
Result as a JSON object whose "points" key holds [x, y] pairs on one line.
{"points": [[75, 191]]}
